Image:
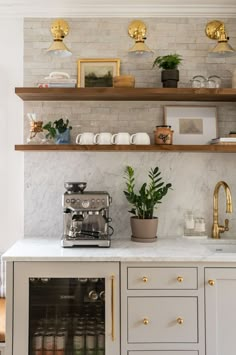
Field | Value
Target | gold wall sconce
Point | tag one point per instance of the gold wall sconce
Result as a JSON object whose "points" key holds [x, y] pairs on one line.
{"points": [[137, 30], [59, 29], [216, 30]]}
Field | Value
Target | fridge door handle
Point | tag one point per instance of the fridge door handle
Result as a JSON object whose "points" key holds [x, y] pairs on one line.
{"points": [[113, 307]]}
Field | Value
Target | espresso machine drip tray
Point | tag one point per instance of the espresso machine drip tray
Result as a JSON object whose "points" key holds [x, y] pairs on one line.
{"points": [[86, 242]]}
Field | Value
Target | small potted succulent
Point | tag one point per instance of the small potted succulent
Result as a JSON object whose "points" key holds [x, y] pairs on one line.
{"points": [[169, 65], [143, 221], [59, 131]]}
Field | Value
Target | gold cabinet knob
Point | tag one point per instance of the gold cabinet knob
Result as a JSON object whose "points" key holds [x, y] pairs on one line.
{"points": [[211, 282], [180, 320], [145, 321], [145, 279], [180, 279]]}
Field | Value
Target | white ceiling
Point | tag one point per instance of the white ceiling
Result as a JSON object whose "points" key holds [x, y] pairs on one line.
{"points": [[115, 8]]}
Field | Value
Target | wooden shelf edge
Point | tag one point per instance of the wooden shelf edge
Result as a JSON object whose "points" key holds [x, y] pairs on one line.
{"points": [[126, 148], [126, 94]]}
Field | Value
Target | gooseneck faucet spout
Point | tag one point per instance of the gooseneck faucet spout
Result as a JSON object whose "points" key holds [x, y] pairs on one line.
{"points": [[216, 228]]}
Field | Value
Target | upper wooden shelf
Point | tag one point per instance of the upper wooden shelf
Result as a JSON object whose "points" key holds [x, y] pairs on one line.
{"points": [[125, 148], [125, 94]]}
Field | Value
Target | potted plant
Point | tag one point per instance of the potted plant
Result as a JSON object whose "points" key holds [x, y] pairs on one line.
{"points": [[59, 131], [169, 65], [143, 223]]}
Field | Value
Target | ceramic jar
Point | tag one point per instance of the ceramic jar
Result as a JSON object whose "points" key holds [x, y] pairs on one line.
{"points": [[163, 135]]}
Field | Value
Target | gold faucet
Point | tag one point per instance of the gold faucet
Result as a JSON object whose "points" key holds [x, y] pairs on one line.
{"points": [[216, 228]]}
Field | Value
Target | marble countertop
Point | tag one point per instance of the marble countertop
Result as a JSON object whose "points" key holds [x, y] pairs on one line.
{"points": [[166, 249]]}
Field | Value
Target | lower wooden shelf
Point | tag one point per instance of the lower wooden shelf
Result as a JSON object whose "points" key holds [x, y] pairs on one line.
{"points": [[227, 148]]}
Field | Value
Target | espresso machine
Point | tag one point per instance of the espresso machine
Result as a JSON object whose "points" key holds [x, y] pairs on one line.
{"points": [[85, 216]]}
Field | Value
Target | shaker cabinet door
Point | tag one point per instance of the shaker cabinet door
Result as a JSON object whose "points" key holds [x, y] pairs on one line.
{"points": [[220, 293]]}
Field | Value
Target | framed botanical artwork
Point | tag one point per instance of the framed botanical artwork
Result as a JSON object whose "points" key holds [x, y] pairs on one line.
{"points": [[192, 124], [97, 72]]}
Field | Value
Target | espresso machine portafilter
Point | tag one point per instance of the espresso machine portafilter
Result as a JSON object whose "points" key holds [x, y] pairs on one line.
{"points": [[85, 216]]}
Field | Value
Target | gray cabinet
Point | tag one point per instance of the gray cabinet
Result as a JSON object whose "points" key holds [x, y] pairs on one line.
{"points": [[161, 309], [220, 299]]}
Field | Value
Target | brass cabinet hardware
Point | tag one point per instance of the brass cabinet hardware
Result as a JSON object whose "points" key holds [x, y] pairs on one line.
{"points": [[145, 279], [145, 321], [180, 279], [180, 320], [211, 282], [113, 308]]}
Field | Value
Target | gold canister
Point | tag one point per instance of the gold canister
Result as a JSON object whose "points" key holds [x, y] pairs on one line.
{"points": [[163, 135], [36, 126]]}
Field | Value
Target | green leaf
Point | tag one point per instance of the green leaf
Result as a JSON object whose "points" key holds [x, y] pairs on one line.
{"points": [[149, 195]]}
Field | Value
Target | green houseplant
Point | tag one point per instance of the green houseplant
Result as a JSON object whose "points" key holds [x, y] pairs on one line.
{"points": [[59, 131], [144, 202], [169, 64]]}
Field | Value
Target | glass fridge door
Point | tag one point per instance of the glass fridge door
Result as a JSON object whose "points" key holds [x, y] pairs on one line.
{"points": [[65, 315]]}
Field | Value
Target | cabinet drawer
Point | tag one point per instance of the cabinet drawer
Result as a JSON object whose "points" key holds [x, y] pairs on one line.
{"points": [[157, 278], [158, 319], [163, 352]]}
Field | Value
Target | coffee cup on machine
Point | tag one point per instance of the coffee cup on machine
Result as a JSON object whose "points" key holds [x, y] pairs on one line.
{"points": [[103, 138], [85, 138], [121, 138], [140, 138]]}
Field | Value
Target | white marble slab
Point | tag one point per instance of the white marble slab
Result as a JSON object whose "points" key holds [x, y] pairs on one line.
{"points": [[193, 177], [123, 249]]}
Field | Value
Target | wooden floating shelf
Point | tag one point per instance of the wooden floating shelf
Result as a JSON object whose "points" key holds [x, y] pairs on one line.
{"points": [[126, 94], [227, 148]]}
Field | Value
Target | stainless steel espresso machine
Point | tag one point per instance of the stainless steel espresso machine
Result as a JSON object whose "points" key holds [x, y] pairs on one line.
{"points": [[86, 216]]}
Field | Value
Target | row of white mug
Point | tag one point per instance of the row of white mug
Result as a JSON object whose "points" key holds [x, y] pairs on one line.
{"points": [[109, 138]]}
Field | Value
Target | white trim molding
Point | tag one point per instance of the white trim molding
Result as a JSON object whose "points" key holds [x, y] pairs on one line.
{"points": [[130, 9]]}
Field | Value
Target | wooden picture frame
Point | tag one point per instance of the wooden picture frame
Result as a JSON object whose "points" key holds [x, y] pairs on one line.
{"points": [[97, 72], [192, 125]]}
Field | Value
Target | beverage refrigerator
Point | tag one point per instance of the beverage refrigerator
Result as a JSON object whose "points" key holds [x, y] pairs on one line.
{"points": [[65, 308]]}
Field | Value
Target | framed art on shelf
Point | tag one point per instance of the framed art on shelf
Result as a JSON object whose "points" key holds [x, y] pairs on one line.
{"points": [[192, 124], [97, 72]]}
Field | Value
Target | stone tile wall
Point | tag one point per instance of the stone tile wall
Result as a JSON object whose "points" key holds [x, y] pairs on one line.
{"points": [[108, 38], [193, 175]]}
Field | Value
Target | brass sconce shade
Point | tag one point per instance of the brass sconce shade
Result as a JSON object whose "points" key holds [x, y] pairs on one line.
{"points": [[59, 30], [216, 30], [137, 30]]}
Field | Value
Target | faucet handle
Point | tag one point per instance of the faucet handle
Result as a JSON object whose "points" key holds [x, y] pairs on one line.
{"points": [[226, 225]]}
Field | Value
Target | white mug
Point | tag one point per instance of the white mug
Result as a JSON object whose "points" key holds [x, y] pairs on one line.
{"points": [[140, 138], [85, 138], [121, 138], [102, 138]]}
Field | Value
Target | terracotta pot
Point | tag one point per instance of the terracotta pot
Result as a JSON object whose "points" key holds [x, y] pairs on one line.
{"points": [[144, 230]]}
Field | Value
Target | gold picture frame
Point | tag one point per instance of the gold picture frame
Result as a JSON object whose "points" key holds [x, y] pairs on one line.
{"points": [[97, 72]]}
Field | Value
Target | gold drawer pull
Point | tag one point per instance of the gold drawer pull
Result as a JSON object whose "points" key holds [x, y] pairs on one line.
{"points": [[145, 279], [180, 279], [145, 321], [211, 282], [180, 320]]}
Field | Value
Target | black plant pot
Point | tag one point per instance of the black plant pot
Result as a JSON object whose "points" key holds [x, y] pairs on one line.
{"points": [[170, 78]]}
